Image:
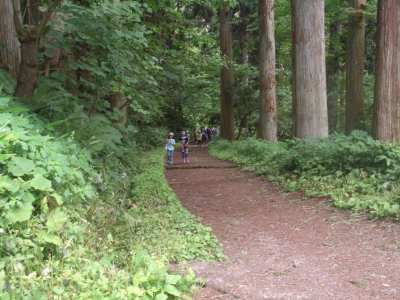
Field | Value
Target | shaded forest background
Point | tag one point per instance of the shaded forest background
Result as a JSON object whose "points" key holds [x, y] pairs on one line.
{"points": [[160, 64]]}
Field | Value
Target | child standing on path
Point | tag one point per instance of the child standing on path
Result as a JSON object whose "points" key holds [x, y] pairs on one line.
{"points": [[185, 147], [170, 147]]}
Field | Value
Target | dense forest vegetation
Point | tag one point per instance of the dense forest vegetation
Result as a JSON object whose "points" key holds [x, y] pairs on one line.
{"points": [[89, 89]]}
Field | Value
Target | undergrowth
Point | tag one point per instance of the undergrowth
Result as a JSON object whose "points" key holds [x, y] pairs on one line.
{"points": [[152, 219], [356, 171], [80, 224]]}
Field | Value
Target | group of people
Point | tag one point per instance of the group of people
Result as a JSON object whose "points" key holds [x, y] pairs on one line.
{"points": [[202, 136], [170, 147], [205, 135]]}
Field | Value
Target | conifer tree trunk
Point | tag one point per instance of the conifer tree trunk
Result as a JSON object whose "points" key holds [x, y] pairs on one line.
{"points": [[27, 29], [28, 75], [10, 54], [225, 37], [311, 96], [355, 66], [387, 89], [293, 54], [268, 127]]}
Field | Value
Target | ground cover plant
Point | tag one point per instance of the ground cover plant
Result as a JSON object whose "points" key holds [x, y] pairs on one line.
{"points": [[68, 230], [356, 171]]}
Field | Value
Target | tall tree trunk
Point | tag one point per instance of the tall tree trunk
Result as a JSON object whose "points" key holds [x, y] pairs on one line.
{"points": [[387, 89], [227, 78], [268, 127], [28, 35], [311, 96], [333, 68], [28, 73], [30, 29], [355, 66], [293, 54], [10, 54]]}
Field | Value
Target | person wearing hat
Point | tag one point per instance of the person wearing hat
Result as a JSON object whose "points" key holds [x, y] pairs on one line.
{"points": [[170, 147]]}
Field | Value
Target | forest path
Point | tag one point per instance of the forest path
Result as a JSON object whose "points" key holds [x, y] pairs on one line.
{"points": [[281, 246]]}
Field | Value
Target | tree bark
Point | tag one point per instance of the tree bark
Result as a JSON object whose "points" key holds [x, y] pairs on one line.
{"points": [[10, 53], [28, 72], [355, 66], [311, 96], [227, 78], [268, 127], [387, 89]]}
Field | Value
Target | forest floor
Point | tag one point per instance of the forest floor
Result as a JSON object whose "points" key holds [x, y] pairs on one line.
{"points": [[283, 246]]}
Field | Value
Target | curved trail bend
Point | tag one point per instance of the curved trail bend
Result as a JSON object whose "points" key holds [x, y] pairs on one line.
{"points": [[282, 246]]}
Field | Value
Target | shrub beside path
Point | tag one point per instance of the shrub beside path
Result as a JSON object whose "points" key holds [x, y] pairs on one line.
{"points": [[281, 246]]}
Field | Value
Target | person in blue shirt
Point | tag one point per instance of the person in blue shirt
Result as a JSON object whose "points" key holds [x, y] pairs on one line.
{"points": [[170, 147]]}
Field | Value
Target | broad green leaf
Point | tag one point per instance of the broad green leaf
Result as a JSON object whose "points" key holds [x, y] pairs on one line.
{"points": [[56, 220], [6, 183], [173, 279], [19, 166], [135, 290], [58, 198], [20, 214], [40, 183], [50, 238], [161, 296], [170, 289]]}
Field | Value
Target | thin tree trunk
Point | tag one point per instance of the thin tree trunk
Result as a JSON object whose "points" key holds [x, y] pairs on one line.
{"points": [[227, 78], [10, 54], [311, 96], [387, 89], [268, 127], [355, 67]]}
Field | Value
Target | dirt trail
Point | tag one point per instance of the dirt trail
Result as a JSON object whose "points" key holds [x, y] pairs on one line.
{"points": [[282, 246]]}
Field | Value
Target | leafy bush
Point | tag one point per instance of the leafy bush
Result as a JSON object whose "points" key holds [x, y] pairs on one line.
{"points": [[40, 176], [356, 171]]}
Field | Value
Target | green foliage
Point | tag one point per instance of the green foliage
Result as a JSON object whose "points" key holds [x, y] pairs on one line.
{"points": [[7, 84], [152, 219], [61, 208], [356, 171], [141, 278], [40, 175]]}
